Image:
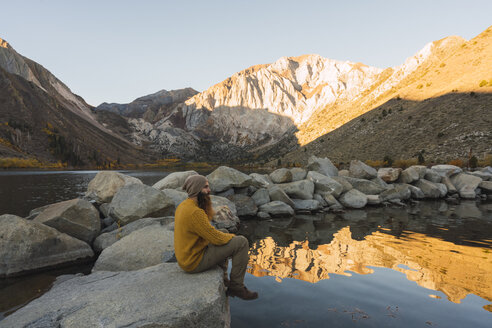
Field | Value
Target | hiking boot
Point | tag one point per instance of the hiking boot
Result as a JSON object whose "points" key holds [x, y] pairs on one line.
{"points": [[242, 293]]}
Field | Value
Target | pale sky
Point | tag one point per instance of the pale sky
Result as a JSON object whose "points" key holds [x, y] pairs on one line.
{"points": [[118, 50]]}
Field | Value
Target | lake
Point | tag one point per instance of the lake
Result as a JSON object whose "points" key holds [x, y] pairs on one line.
{"points": [[425, 265]]}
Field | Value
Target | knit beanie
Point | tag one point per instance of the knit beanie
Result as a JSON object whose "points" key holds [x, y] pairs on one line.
{"points": [[194, 184]]}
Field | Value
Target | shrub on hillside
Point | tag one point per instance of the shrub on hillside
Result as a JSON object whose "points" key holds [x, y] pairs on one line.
{"points": [[405, 163], [483, 83], [456, 162], [375, 164]]}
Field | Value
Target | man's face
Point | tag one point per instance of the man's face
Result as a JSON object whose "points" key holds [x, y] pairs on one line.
{"points": [[206, 189]]}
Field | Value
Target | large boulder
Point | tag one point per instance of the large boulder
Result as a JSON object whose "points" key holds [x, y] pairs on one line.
{"points": [[466, 184], [140, 249], [176, 195], [361, 170], [416, 192], [277, 208], [430, 189], [106, 184], [306, 204], [136, 201], [303, 189], [76, 217], [225, 177], [409, 175], [174, 180], [486, 187], [445, 170], [298, 173], [482, 175], [158, 296], [276, 193], [261, 180], [109, 238], [365, 186], [399, 191], [433, 176], [421, 170], [281, 175], [322, 165], [449, 185], [225, 219], [261, 196], [27, 246], [389, 174], [218, 202], [353, 199], [245, 206], [323, 183], [343, 181]]}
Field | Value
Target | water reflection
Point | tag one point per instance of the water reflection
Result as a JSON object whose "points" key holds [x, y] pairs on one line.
{"points": [[440, 247]]}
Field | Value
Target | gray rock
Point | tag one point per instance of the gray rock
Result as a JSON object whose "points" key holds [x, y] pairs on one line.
{"points": [[445, 170], [303, 189], [106, 184], [343, 173], [252, 190], [241, 191], [218, 202], [323, 183], [486, 187], [416, 192], [365, 186], [140, 249], [109, 228], [421, 170], [158, 296], [298, 173], [322, 202], [225, 177], [261, 196], [104, 209], [176, 195], [277, 208], [281, 175], [400, 191], [332, 201], [306, 204], [107, 221], [225, 219], [245, 206], [136, 201], [277, 194], [35, 212], [76, 217], [109, 238], [26, 246], [389, 174], [482, 175], [226, 193], [373, 199], [466, 184], [429, 188], [449, 185], [261, 180], [361, 170], [263, 215], [442, 189], [433, 176], [174, 180], [353, 199], [409, 175], [343, 181], [322, 165], [380, 182]]}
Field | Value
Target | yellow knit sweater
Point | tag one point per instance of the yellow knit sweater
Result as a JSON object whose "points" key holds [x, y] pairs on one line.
{"points": [[192, 233]]}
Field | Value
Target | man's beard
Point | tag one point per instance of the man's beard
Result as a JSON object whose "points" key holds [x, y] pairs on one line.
{"points": [[205, 203]]}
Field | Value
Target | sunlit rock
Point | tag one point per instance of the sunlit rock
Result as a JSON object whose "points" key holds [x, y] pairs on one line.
{"points": [[106, 184], [174, 180], [324, 183], [389, 174], [225, 177], [281, 175], [322, 165]]}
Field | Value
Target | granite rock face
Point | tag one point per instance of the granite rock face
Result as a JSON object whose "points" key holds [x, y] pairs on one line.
{"points": [[26, 246], [140, 249], [136, 201], [106, 184], [157, 296], [76, 217], [174, 180]]}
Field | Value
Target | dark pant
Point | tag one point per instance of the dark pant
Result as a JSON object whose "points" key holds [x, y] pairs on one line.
{"points": [[237, 248]]}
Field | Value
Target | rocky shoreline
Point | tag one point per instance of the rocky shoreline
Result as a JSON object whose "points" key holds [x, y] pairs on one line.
{"points": [[127, 227]]}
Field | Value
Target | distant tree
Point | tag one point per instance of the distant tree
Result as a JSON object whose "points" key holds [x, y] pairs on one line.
{"points": [[388, 161], [473, 162], [421, 158]]}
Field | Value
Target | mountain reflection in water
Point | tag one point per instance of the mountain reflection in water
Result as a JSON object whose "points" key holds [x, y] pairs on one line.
{"points": [[440, 247]]}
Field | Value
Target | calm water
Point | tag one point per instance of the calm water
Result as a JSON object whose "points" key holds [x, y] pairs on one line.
{"points": [[428, 265]]}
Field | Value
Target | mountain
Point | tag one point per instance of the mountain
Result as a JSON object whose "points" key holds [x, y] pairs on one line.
{"points": [[42, 119]]}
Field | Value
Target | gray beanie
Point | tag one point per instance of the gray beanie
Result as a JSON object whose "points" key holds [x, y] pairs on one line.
{"points": [[194, 184]]}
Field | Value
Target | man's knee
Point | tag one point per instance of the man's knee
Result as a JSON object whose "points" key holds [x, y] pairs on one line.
{"points": [[241, 241]]}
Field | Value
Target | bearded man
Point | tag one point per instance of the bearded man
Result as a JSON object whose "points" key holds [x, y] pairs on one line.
{"points": [[199, 246]]}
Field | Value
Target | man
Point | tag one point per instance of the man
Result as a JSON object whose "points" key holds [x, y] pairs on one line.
{"points": [[199, 246]]}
